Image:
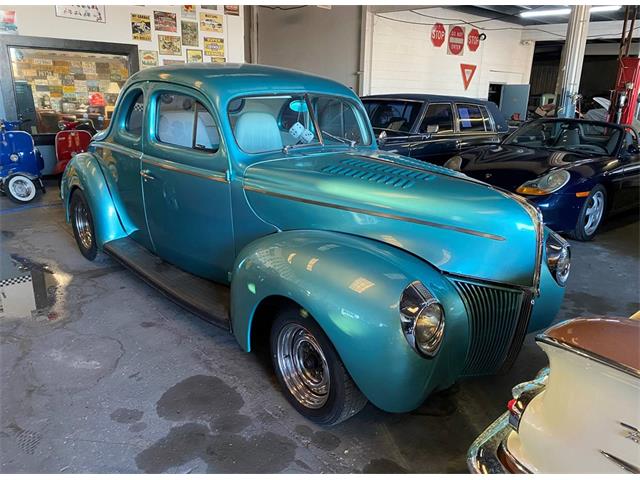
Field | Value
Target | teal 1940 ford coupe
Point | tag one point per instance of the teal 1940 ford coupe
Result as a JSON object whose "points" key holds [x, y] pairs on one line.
{"points": [[256, 197]]}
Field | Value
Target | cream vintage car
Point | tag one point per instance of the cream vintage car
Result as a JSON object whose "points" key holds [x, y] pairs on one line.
{"points": [[580, 415]]}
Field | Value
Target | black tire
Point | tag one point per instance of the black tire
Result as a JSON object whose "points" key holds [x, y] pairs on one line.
{"points": [[78, 208], [343, 399], [25, 193], [581, 232]]}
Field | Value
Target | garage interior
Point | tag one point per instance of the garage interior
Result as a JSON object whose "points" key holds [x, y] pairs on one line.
{"points": [[102, 373]]}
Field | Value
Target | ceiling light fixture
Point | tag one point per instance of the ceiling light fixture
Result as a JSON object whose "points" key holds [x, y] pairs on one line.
{"points": [[567, 11]]}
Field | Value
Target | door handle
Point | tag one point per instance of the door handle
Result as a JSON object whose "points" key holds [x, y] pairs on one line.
{"points": [[147, 175]]}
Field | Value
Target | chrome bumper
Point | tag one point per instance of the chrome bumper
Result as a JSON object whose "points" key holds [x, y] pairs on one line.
{"points": [[483, 454]]}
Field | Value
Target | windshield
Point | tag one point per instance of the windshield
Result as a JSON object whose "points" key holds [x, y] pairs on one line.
{"points": [[395, 117], [565, 134], [276, 122]]}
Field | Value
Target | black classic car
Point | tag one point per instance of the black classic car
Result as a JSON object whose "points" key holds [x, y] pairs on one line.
{"points": [[576, 172], [433, 128]]}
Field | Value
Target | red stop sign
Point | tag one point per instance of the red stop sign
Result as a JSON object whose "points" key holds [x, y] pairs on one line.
{"points": [[437, 34], [456, 40], [473, 40]]}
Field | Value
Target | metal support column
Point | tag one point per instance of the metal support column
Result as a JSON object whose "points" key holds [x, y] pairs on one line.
{"points": [[571, 61]]}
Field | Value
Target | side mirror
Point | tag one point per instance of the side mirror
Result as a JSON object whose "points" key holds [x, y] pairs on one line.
{"points": [[633, 149], [432, 129]]}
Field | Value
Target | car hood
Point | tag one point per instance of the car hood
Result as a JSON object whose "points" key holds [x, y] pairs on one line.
{"points": [[509, 166], [457, 224]]}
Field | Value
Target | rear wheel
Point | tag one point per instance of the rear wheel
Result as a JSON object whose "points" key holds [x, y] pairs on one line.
{"points": [[20, 189], [82, 223], [311, 374], [591, 214]]}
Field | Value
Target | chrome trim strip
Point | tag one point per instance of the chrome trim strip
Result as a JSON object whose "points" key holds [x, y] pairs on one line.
{"points": [[520, 468], [174, 168], [626, 466], [588, 355], [376, 214]]}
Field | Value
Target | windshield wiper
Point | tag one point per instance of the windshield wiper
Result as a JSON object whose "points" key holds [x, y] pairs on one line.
{"points": [[346, 141]]}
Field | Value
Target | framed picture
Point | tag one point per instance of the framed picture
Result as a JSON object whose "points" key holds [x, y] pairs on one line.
{"points": [[232, 10], [194, 55], [169, 45], [167, 61], [189, 33], [218, 60], [209, 7], [148, 58], [165, 21], [141, 27], [89, 13], [189, 11], [210, 22], [214, 47]]}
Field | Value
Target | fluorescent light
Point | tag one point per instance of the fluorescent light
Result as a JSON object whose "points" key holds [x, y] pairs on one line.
{"points": [[567, 11]]}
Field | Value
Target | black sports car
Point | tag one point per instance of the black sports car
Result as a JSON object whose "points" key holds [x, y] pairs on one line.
{"points": [[575, 171]]}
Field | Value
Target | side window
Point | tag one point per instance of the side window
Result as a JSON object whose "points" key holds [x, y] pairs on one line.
{"points": [[470, 118], [133, 124], [184, 122], [488, 124], [439, 114]]}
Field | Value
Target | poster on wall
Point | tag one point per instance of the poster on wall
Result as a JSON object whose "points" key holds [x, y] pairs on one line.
{"points": [[214, 47], [189, 11], [189, 33], [168, 61], [210, 22], [141, 27], [148, 58], [165, 21], [8, 21], [232, 10], [194, 55], [169, 45], [455, 45], [89, 13], [209, 7], [218, 60]]}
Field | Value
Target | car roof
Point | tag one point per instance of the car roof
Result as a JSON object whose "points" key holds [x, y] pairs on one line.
{"points": [[424, 97], [224, 81]]}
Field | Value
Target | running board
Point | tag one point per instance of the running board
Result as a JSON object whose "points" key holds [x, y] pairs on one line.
{"points": [[201, 297]]}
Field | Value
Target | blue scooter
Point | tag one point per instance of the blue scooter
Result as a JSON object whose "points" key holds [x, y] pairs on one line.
{"points": [[20, 163]]}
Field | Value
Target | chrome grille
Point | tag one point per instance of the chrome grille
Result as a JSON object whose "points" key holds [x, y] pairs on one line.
{"points": [[498, 320]]}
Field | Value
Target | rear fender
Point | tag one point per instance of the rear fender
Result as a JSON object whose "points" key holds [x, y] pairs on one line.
{"points": [[352, 286], [84, 172]]}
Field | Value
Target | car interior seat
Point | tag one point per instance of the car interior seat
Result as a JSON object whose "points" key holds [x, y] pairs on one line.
{"points": [[569, 137], [258, 132]]}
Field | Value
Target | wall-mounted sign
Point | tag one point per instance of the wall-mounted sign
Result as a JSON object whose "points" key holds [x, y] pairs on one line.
{"points": [[232, 10], [189, 33], [141, 27], [148, 58], [210, 22], [89, 13], [165, 21], [194, 55], [189, 11], [455, 45], [8, 21], [473, 40], [438, 34], [467, 73], [169, 45], [214, 47]]}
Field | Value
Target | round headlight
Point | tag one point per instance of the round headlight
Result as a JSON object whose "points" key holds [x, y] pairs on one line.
{"points": [[422, 319], [454, 163], [549, 183], [558, 258], [14, 157]]}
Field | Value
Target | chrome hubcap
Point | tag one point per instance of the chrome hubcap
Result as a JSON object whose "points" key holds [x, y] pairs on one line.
{"points": [[83, 226], [593, 215], [22, 188], [303, 365]]}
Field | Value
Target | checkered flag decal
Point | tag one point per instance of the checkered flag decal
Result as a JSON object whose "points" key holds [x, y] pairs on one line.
{"points": [[15, 280]]}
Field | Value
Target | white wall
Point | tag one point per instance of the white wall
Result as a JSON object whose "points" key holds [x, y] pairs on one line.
{"points": [[403, 59], [41, 21]]}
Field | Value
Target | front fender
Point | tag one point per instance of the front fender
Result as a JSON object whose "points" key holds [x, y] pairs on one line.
{"points": [[352, 286], [84, 172]]}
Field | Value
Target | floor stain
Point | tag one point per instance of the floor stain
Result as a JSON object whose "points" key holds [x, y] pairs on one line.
{"points": [[147, 324], [383, 465], [233, 423], [225, 453], [200, 397], [580, 303], [321, 439], [126, 415], [138, 427]]}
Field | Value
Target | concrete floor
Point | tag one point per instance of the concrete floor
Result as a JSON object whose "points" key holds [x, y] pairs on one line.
{"points": [[100, 373]]}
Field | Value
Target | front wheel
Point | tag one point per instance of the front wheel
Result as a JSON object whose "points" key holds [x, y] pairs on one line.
{"points": [[311, 374], [591, 214], [20, 189], [82, 223]]}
